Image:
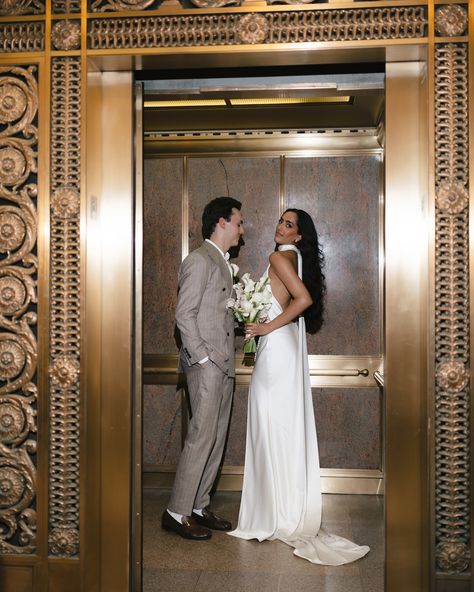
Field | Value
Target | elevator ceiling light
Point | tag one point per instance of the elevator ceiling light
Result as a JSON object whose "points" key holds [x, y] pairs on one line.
{"points": [[290, 101], [190, 103], [248, 102]]}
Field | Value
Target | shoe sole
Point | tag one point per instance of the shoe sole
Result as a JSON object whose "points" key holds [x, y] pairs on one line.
{"points": [[226, 529], [186, 536], [216, 527]]}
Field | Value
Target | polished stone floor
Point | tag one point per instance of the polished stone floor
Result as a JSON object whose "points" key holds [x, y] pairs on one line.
{"points": [[227, 564]]}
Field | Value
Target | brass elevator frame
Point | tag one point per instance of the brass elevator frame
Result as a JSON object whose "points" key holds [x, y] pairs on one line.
{"points": [[86, 52]]}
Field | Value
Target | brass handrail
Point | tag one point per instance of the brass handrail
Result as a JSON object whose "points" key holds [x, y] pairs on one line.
{"points": [[249, 369], [379, 378], [320, 372]]}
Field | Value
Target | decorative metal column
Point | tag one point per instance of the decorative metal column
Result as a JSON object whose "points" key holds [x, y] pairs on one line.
{"points": [[452, 404]]}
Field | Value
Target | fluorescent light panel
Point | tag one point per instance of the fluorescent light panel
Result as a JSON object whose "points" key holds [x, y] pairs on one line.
{"points": [[190, 103], [246, 102], [290, 100]]}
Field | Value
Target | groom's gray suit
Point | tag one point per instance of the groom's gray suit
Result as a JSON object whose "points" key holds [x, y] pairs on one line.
{"points": [[207, 330]]}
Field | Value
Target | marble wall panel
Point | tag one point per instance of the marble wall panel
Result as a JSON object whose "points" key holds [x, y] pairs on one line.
{"points": [[348, 423], [253, 181], [161, 424], [342, 195], [162, 197]]}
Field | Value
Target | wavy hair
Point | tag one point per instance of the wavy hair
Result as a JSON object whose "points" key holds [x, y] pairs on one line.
{"points": [[220, 207], [313, 263]]}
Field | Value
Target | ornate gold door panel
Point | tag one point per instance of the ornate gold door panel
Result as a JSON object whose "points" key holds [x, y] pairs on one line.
{"points": [[66, 347], [20, 414]]}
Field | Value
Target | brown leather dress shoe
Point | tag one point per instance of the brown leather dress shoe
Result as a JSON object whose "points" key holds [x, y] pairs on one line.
{"points": [[210, 520], [187, 528]]}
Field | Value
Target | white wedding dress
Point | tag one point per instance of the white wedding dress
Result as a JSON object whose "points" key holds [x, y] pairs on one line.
{"points": [[281, 495]]}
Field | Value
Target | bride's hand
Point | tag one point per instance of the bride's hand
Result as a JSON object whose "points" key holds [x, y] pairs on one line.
{"points": [[256, 330]]}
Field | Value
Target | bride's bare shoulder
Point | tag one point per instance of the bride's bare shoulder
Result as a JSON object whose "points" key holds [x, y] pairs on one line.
{"points": [[283, 265], [278, 258]]}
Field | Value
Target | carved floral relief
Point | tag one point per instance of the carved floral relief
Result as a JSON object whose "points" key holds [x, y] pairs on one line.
{"points": [[66, 35], [20, 7], [451, 20], [18, 298]]}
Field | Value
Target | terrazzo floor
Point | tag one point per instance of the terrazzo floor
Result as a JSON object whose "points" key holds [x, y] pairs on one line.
{"points": [[227, 564]]}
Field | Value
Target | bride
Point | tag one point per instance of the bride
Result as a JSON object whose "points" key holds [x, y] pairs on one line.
{"points": [[281, 495]]}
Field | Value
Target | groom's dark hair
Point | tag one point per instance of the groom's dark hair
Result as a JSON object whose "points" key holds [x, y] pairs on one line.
{"points": [[220, 207]]}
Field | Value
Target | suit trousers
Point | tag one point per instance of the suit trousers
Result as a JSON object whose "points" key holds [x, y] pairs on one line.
{"points": [[210, 392]]}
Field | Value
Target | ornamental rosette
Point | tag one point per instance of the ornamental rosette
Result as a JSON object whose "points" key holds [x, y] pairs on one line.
{"points": [[12, 231], [65, 202], [13, 103], [13, 166], [253, 28], [12, 359], [12, 487], [452, 197], [66, 35], [64, 541], [12, 295], [453, 556], [452, 376], [64, 371], [451, 20], [12, 421]]}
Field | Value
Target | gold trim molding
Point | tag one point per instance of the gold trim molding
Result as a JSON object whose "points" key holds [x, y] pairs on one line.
{"points": [[231, 28], [345, 481]]}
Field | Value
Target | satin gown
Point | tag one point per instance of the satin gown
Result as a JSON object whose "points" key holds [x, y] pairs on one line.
{"points": [[281, 495]]}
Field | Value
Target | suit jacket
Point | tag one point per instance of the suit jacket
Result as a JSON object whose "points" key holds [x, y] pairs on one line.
{"points": [[205, 323]]}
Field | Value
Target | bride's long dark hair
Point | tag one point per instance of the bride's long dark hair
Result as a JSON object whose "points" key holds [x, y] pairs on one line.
{"points": [[313, 262]]}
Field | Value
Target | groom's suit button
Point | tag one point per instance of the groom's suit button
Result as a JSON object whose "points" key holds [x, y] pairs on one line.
{"points": [[228, 333], [223, 289]]}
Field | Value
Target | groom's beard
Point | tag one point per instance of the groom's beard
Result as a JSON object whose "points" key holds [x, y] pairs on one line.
{"points": [[234, 251]]}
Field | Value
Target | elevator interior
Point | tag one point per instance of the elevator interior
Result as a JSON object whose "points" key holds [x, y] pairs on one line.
{"points": [[310, 138]]}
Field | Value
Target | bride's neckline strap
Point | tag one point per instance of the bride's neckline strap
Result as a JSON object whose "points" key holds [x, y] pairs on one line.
{"points": [[288, 248]]}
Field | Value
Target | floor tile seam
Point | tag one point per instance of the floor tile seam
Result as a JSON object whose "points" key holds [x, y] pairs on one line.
{"points": [[279, 582], [196, 584]]}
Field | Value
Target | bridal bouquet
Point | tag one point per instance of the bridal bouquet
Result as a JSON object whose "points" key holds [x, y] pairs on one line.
{"points": [[251, 304]]}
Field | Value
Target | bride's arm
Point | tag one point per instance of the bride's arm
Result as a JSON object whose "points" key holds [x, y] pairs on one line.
{"points": [[300, 297]]}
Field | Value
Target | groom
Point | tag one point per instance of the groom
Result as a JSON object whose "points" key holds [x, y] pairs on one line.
{"points": [[207, 357]]}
